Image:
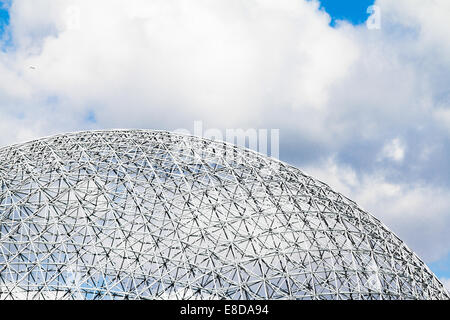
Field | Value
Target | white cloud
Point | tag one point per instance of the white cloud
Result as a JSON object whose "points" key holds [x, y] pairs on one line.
{"points": [[393, 150], [442, 116], [230, 63]]}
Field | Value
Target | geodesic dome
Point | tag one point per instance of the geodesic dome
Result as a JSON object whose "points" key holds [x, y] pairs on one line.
{"points": [[149, 214]]}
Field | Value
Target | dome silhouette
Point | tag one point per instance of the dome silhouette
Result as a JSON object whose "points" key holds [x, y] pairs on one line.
{"points": [[141, 214]]}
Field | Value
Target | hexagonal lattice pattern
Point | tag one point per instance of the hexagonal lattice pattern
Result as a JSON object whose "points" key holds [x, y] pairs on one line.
{"points": [[149, 214]]}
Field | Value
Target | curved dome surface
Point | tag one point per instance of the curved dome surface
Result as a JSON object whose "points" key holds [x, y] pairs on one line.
{"points": [[131, 214]]}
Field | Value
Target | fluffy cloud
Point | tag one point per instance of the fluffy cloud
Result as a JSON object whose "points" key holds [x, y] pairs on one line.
{"points": [[229, 63], [393, 150], [377, 100]]}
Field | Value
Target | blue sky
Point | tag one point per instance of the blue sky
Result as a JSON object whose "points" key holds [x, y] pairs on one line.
{"points": [[4, 21], [4, 17], [441, 267], [354, 11], [372, 107]]}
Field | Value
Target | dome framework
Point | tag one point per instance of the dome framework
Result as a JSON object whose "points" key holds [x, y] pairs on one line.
{"points": [[140, 214]]}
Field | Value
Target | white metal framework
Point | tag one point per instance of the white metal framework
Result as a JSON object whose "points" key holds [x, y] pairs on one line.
{"points": [[150, 214]]}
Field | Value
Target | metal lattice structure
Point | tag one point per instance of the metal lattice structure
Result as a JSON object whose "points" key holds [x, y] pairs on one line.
{"points": [[150, 214]]}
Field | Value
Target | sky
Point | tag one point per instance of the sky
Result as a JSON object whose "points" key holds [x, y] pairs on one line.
{"points": [[353, 11], [4, 18], [364, 107]]}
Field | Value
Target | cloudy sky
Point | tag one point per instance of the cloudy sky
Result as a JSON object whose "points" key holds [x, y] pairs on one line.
{"points": [[363, 107]]}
